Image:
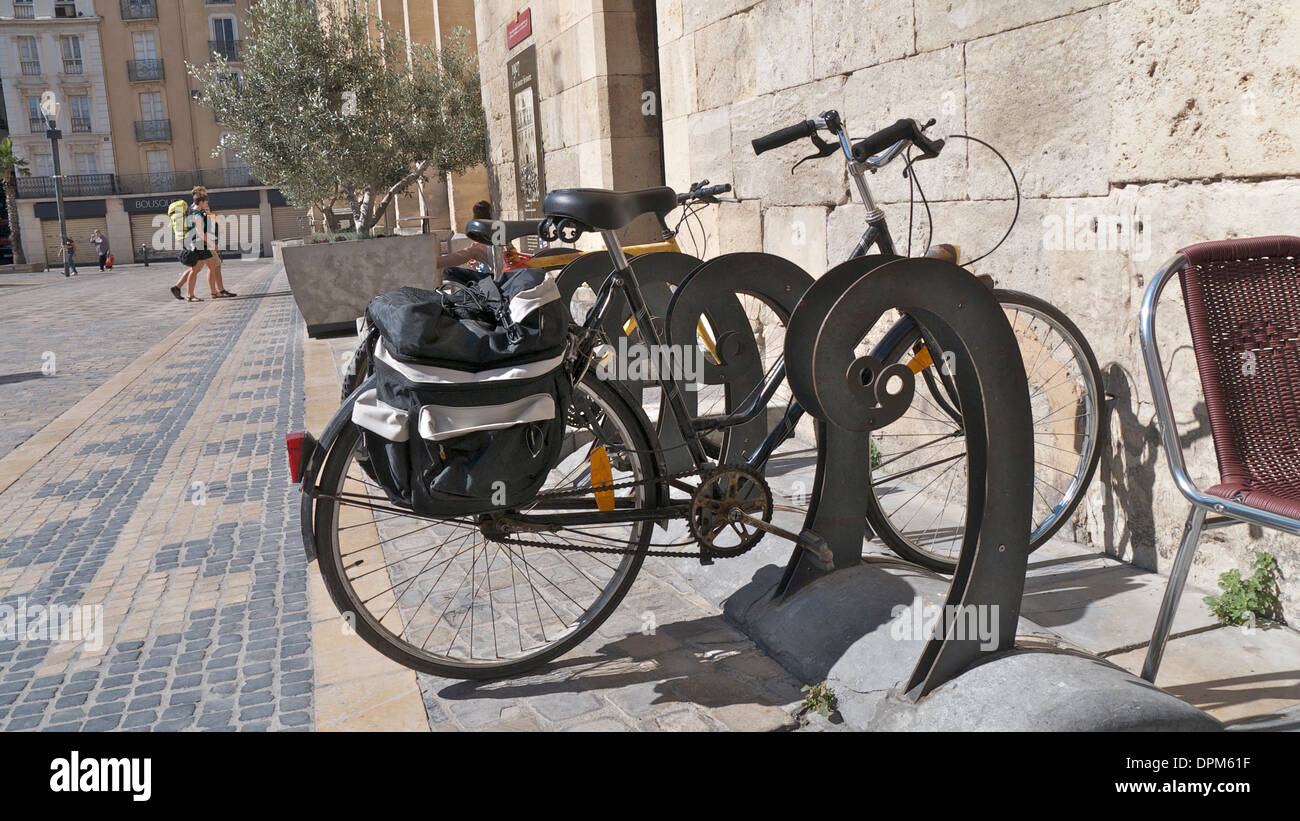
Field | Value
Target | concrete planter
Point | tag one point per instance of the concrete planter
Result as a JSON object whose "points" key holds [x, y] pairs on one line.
{"points": [[333, 282]]}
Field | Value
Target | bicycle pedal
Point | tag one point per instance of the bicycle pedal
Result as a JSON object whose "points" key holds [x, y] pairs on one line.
{"points": [[818, 553]]}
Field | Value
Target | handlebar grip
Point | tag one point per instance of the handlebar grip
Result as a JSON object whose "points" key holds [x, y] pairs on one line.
{"points": [[887, 136], [785, 136]]}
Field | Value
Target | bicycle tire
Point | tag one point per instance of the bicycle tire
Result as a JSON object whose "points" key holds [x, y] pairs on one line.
{"points": [[899, 343], [334, 474]]}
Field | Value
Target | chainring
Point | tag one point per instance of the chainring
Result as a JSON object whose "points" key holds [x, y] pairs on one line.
{"points": [[721, 490]]}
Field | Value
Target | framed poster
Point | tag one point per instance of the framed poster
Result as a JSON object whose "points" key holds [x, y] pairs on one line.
{"points": [[525, 120]]}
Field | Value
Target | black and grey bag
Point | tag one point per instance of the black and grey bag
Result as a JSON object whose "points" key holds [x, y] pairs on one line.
{"points": [[466, 410]]}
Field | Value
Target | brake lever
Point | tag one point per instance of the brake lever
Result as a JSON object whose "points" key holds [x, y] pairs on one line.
{"points": [[824, 149]]}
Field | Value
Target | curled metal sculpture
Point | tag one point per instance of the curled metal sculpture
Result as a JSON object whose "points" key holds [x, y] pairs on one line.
{"points": [[962, 318]]}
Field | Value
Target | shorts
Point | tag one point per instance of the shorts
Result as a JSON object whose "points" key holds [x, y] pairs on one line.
{"points": [[190, 258]]}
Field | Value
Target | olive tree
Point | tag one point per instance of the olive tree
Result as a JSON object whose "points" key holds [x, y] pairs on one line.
{"points": [[335, 106]]}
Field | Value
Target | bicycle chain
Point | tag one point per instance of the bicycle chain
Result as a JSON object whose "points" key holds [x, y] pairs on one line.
{"points": [[619, 551]]}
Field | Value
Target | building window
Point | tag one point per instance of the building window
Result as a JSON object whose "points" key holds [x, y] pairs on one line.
{"points": [[146, 45], [71, 54], [44, 165], [34, 115], [225, 38], [79, 111], [29, 55], [87, 162], [151, 106], [158, 162], [65, 9], [24, 10]]}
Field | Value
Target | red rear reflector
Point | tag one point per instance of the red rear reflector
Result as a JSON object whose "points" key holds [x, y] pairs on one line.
{"points": [[296, 443]]}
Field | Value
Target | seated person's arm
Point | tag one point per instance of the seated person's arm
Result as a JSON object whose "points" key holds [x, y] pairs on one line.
{"points": [[477, 251]]}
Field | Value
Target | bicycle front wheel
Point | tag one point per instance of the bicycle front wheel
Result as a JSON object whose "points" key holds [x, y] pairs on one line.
{"points": [[917, 504], [451, 596]]}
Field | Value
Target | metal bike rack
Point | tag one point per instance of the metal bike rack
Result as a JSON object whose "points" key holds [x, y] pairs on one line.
{"points": [[852, 395], [712, 291]]}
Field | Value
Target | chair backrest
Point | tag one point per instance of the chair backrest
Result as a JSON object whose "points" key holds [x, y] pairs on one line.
{"points": [[1243, 308]]}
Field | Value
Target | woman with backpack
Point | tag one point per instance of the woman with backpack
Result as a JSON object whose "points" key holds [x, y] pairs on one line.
{"points": [[205, 230]]}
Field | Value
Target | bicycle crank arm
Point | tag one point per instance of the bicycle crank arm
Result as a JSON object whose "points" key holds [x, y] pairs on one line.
{"points": [[808, 540]]}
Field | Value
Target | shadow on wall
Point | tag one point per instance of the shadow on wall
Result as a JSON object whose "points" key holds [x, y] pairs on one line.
{"points": [[1128, 469]]}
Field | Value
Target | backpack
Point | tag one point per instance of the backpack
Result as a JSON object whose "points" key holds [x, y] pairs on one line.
{"points": [[176, 215], [465, 410]]}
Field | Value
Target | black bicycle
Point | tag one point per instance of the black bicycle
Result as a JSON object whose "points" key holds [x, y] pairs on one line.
{"points": [[919, 465], [494, 594]]}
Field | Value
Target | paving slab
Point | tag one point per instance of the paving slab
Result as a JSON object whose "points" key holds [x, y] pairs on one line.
{"points": [[1234, 674]]}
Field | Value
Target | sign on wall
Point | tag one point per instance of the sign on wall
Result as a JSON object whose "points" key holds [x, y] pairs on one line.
{"points": [[520, 28], [525, 120]]}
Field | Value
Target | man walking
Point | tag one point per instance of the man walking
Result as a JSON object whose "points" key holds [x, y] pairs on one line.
{"points": [[69, 251]]}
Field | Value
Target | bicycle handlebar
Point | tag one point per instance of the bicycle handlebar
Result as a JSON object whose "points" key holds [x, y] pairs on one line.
{"points": [[909, 130], [700, 192], [784, 136]]}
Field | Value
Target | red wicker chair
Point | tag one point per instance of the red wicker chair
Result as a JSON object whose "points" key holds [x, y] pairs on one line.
{"points": [[1243, 310]]}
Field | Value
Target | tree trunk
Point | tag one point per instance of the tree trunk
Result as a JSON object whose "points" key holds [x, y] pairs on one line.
{"points": [[15, 233]]}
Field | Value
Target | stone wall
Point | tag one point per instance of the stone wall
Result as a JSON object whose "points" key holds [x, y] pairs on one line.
{"points": [[596, 61], [1137, 126]]}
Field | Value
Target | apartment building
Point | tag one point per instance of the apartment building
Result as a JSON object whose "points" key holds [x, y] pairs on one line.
{"points": [[135, 132]]}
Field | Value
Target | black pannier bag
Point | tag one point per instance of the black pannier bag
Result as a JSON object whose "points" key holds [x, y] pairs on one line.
{"points": [[466, 410]]}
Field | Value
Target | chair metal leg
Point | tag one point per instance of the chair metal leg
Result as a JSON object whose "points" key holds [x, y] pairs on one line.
{"points": [[1173, 592]]}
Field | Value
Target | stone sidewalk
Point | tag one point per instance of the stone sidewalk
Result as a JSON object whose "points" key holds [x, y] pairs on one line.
{"points": [[146, 479]]}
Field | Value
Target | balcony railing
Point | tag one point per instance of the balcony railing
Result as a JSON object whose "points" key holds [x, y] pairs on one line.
{"points": [[74, 185], [139, 10], [31, 68], [24, 11], [160, 182], [37, 124], [228, 49], [72, 65], [138, 71], [150, 131], [80, 123]]}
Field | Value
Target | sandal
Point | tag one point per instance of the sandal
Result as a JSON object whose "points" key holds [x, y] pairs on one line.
{"points": [[224, 292], [176, 292], [194, 299]]}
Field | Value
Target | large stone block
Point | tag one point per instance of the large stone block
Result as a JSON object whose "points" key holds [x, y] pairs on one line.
{"points": [[721, 78], [850, 36], [941, 22], [1204, 89], [697, 15], [783, 44], [798, 234], [677, 77], [919, 88], [677, 153], [710, 146], [768, 176], [1041, 95]]}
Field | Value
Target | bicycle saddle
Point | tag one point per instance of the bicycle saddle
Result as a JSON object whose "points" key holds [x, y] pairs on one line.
{"points": [[484, 231], [605, 210]]}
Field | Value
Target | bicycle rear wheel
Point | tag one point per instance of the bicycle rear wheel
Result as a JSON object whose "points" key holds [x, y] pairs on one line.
{"points": [[917, 504], [442, 596]]}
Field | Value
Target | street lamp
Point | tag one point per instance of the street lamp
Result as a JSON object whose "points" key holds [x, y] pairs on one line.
{"points": [[50, 108]]}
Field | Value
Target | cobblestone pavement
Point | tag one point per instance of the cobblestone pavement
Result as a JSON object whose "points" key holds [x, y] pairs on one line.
{"points": [[169, 507], [87, 327], [151, 483]]}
